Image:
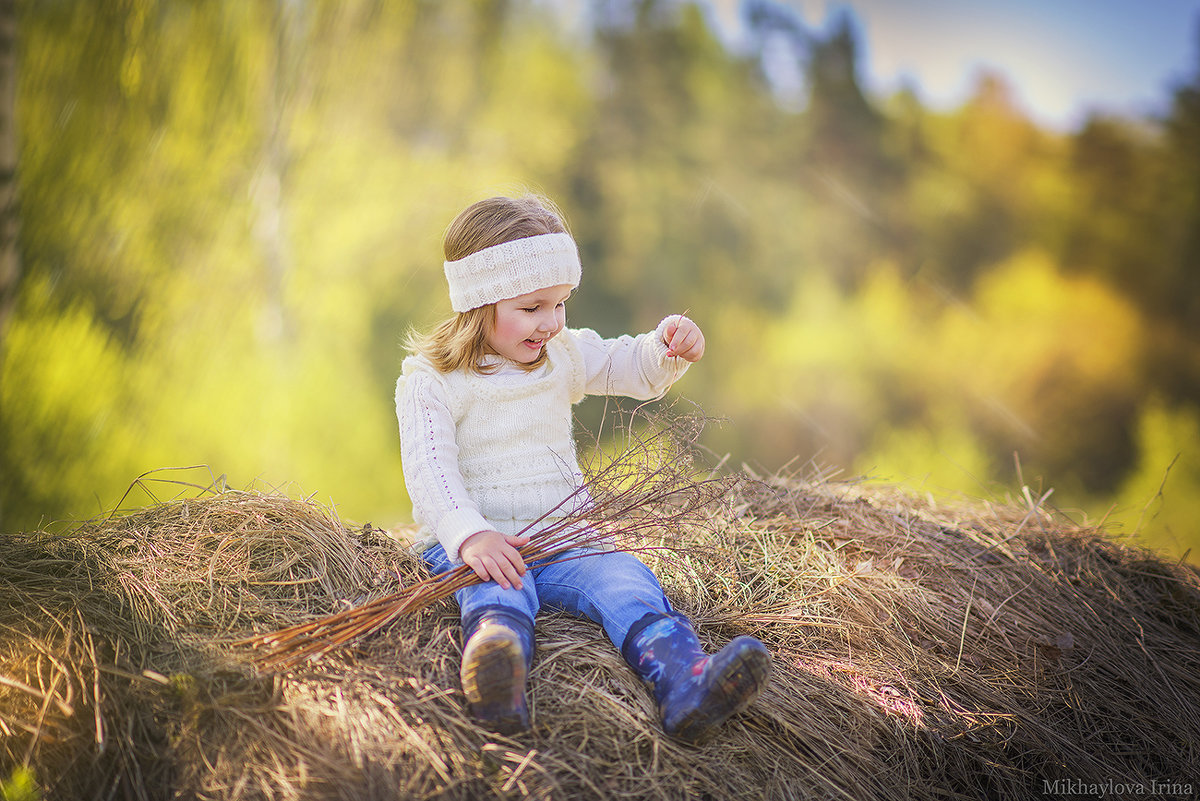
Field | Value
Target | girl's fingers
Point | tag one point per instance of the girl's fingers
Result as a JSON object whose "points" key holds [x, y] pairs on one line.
{"points": [[508, 574], [513, 555], [496, 571], [494, 557], [478, 566], [669, 334], [687, 347], [694, 347], [506, 568], [673, 344], [684, 339]]}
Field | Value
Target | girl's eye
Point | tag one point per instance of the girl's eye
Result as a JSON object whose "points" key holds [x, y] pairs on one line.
{"points": [[533, 309]]}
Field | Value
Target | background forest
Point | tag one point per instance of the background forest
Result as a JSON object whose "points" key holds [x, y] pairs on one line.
{"points": [[230, 214]]}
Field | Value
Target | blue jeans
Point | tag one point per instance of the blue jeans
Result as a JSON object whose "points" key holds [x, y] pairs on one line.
{"points": [[612, 588]]}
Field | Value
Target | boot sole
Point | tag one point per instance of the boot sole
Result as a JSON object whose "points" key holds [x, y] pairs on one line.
{"points": [[735, 686], [493, 679]]}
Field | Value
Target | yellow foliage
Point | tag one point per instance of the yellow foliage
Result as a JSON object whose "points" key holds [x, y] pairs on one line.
{"points": [[68, 408], [21, 785], [1160, 500], [1036, 346], [554, 103], [944, 459], [1026, 311]]}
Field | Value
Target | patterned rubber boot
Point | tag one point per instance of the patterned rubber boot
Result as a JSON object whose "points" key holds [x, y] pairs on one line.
{"points": [[496, 657], [695, 692]]}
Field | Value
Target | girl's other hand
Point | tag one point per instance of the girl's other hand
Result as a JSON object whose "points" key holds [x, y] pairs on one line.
{"points": [[494, 557], [684, 339]]}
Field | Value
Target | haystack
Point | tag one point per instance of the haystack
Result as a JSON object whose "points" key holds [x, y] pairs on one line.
{"points": [[921, 652]]}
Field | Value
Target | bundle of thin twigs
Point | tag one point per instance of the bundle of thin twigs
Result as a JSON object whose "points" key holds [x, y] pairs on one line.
{"points": [[647, 488]]}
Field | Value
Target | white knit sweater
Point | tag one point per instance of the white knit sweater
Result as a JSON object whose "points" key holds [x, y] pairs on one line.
{"points": [[496, 451]]}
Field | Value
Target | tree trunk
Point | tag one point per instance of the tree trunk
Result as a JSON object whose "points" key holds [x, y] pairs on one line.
{"points": [[10, 262]]}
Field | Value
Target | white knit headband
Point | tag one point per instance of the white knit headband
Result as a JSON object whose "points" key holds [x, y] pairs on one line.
{"points": [[511, 269]]}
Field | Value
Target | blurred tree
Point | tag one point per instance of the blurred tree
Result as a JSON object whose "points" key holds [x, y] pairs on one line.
{"points": [[1048, 362], [1133, 219], [845, 129], [993, 155], [1116, 203], [835, 150], [56, 170], [657, 212], [1181, 285], [60, 369], [286, 77], [10, 261], [1175, 282]]}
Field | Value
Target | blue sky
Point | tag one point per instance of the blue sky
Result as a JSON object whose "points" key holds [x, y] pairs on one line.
{"points": [[1062, 57]]}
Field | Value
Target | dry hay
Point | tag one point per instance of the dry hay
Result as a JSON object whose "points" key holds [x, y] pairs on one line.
{"points": [[920, 653]]}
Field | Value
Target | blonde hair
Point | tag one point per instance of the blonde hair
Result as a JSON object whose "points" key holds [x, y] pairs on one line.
{"points": [[461, 341]]}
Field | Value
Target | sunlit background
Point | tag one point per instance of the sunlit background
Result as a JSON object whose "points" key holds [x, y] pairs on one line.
{"points": [[950, 245]]}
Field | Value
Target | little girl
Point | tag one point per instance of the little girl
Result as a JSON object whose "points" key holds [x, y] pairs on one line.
{"points": [[485, 428]]}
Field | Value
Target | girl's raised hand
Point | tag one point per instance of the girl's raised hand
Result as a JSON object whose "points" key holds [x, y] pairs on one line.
{"points": [[684, 339], [494, 557]]}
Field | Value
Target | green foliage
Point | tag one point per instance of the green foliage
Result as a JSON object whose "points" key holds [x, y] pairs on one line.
{"points": [[21, 785], [67, 423], [231, 214], [1049, 361], [1158, 500]]}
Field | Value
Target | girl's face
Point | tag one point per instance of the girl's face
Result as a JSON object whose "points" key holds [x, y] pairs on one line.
{"points": [[525, 324]]}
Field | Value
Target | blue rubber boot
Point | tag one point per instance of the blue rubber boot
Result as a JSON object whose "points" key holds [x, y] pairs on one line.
{"points": [[497, 654], [695, 692]]}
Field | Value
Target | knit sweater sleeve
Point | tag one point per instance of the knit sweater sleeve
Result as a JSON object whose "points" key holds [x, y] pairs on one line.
{"points": [[636, 366], [429, 457]]}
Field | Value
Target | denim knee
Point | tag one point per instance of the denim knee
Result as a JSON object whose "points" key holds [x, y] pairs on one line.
{"points": [[612, 588]]}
